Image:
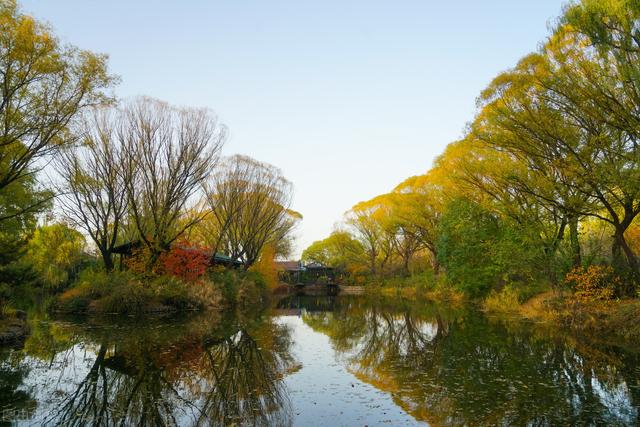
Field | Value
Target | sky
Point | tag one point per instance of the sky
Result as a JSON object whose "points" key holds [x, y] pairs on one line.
{"points": [[347, 98]]}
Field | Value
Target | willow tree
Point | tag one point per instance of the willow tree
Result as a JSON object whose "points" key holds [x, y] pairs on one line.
{"points": [[55, 252], [611, 28], [249, 203], [552, 107], [609, 93], [401, 238], [43, 86], [168, 154], [373, 226], [418, 209], [92, 191]]}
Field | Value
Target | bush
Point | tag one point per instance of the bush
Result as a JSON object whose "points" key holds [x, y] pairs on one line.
{"points": [[208, 294], [174, 293], [596, 283], [126, 292], [129, 299], [129, 292], [251, 289], [74, 300], [506, 301], [185, 261]]}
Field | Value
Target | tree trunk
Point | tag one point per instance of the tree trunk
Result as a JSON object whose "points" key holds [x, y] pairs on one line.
{"points": [[559, 237], [373, 265], [576, 252], [405, 264], [435, 264], [107, 259], [627, 262]]}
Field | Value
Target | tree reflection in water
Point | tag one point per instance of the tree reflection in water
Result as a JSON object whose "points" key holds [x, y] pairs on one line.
{"points": [[13, 371], [196, 373], [447, 367], [458, 368]]}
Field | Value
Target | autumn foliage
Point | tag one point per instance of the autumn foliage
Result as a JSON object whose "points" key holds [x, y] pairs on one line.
{"points": [[184, 260], [266, 266], [595, 283]]}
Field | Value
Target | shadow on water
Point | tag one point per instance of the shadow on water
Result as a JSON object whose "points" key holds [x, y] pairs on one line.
{"points": [[440, 365]]}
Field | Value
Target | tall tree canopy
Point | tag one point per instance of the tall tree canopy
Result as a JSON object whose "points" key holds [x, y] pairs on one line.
{"points": [[44, 85], [168, 154], [249, 202]]}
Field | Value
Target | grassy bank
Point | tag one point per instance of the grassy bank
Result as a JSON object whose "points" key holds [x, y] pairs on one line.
{"points": [[590, 309], [424, 285], [130, 293], [599, 319]]}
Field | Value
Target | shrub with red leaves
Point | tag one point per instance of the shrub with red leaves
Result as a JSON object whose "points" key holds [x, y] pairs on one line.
{"points": [[185, 261]]}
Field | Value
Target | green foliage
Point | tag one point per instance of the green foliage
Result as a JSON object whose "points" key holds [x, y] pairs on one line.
{"points": [[98, 291], [20, 203], [55, 252], [419, 281], [340, 250], [45, 84], [240, 287], [175, 293], [479, 250], [15, 229]]}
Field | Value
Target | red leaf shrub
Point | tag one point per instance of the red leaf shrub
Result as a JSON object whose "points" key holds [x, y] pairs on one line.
{"points": [[185, 261]]}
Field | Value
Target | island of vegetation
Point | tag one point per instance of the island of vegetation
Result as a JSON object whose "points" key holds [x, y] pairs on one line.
{"points": [[111, 206]]}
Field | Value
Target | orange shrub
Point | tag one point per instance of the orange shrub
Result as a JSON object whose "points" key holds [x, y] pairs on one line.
{"points": [[138, 260], [596, 283]]}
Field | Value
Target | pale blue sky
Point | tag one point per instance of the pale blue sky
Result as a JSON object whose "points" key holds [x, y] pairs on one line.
{"points": [[348, 98]]}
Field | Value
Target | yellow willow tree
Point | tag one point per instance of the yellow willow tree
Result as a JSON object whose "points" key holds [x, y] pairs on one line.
{"points": [[554, 110], [248, 204], [405, 239], [372, 225], [340, 250], [43, 86], [477, 173], [417, 208], [503, 183]]}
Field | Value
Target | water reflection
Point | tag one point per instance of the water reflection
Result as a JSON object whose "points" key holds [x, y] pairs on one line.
{"points": [[457, 368], [198, 372], [441, 366]]}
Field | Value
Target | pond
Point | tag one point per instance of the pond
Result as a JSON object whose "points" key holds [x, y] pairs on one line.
{"points": [[316, 361]]}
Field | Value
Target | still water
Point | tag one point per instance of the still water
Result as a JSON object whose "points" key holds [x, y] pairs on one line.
{"points": [[316, 361]]}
